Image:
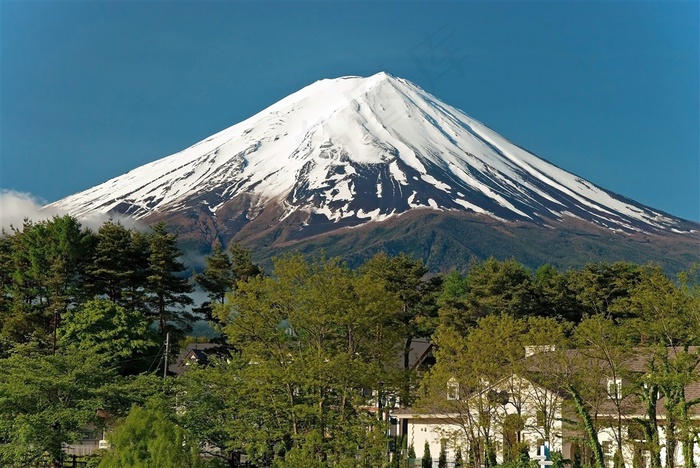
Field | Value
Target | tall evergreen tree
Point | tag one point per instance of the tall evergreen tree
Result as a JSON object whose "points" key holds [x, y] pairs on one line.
{"points": [[45, 275], [598, 287], [66, 261], [459, 461], [241, 263], [404, 277], [167, 288], [113, 266], [30, 314], [427, 460], [442, 459], [217, 279], [499, 287], [218, 276], [452, 302], [5, 287], [553, 298], [134, 294], [223, 271]]}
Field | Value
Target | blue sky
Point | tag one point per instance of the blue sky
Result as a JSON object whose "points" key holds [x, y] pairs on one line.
{"points": [[607, 90]]}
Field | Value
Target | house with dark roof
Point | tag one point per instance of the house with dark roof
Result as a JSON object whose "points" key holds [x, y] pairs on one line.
{"points": [[198, 354], [529, 407]]}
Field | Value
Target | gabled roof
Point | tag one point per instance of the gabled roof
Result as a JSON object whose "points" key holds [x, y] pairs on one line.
{"points": [[552, 362], [421, 353], [197, 353], [636, 362]]}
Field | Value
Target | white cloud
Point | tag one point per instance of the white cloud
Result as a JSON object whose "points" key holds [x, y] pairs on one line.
{"points": [[15, 207]]}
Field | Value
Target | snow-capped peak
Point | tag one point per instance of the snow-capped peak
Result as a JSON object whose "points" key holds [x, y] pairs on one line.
{"points": [[355, 149]]}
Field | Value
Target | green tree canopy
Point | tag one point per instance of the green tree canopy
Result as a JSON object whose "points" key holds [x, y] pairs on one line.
{"points": [[311, 336], [405, 277], [148, 438], [46, 401], [167, 288], [107, 329], [498, 287], [222, 273]]}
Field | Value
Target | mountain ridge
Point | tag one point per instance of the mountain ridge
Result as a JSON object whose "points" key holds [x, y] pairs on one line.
{"points": [[347, 152]]}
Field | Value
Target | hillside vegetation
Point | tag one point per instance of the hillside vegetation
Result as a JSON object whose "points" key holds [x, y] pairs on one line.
{"points": [[317, 350]]}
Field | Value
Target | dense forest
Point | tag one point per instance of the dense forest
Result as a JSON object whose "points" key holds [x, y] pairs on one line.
{"points": [[312, 346]]}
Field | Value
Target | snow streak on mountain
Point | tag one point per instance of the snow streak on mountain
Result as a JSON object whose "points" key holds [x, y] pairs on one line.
{"points": [[350, 150]]}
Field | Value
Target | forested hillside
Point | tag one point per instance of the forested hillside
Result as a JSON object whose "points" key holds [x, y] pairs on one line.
{"points": [[318, 352]]}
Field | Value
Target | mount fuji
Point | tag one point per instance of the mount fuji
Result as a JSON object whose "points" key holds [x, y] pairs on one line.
{"points": [[348, 155]]}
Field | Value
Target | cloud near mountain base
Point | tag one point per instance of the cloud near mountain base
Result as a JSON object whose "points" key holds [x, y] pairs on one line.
{"points": [[16, 207]]}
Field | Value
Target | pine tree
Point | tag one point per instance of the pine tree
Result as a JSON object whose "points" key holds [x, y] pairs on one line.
{"points": [[403, 276], [442, 459], [67, 256], [217, 279], [427, 460], [241, 264], [5, 274], [499, 287], [135, 293], [459, 461], [218, 276], [167, 288], [119, 266], [44, 275], [223, 272], [113, 266], [411, 452]]}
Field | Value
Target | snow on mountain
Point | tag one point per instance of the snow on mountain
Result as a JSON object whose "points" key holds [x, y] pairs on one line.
{"points": [[350, 150]]}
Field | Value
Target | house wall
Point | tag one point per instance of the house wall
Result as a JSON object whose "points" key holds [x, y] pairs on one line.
{"points": [[422, 428], [529, 399], [524, 398], [432, 430], [607, 436], [679, 451]]}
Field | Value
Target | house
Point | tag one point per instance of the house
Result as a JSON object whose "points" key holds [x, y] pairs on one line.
{"points": [[381, 404], [198, 354], [421, 357], [497, 417], [92, 440], [522, 410]]}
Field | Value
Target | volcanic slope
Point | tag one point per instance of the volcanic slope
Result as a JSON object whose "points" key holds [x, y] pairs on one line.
{"points": [[349, 151]]}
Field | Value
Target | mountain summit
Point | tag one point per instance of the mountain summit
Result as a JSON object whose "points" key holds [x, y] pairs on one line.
{"points": [[346, 151]]}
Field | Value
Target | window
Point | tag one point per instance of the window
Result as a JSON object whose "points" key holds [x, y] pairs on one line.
{"points": [[452, 389], [615, 388]]}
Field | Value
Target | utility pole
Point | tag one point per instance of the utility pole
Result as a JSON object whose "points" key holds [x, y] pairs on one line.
{"points": [[167, 350]]}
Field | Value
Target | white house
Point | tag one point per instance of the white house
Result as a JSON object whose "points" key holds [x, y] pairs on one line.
{"points": [[518, 414], [509, 415]]}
